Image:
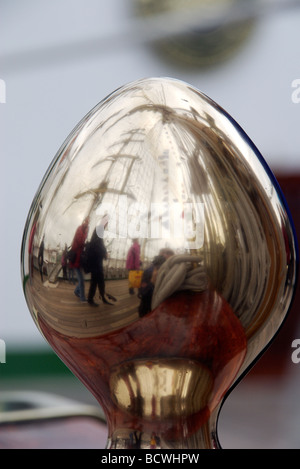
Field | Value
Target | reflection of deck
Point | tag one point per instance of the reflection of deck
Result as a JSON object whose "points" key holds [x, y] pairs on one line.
{"points": [[62, 310]]}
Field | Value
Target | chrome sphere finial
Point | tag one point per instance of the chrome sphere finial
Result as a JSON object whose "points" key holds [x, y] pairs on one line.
{"points": [[159, 180]]}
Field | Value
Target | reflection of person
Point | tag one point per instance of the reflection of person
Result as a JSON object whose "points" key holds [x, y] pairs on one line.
{"points": [[41, 258], [148, 281], [166, 253], [133, 260], [64, 263], [71, 274], [97, 252], [30, 250], [77, 248], [154, 441], [70, 268], [135, 440]]}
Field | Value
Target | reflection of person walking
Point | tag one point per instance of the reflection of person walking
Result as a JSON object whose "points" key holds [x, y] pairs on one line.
{"points": [[77, 247], [97, 252], [147, 285], [64, 263], [133, 261], [41, 259]]}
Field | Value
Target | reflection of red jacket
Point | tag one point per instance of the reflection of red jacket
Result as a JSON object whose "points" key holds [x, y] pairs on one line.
{"points": [[31, 237], [78, 244]]}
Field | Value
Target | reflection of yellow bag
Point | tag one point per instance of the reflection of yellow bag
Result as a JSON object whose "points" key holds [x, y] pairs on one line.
{"points": [[135, 277]]}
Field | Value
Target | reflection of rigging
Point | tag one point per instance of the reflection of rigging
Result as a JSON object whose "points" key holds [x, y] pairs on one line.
{"points": [[98, 193], [118, 173], [118, 179]]}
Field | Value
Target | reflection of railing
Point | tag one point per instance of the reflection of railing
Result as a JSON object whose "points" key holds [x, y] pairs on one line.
{"points": [[112, 272], [53, 272]]}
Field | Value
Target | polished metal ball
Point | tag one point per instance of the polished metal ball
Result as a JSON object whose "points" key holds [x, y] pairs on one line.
{"points": [[158, 260]]}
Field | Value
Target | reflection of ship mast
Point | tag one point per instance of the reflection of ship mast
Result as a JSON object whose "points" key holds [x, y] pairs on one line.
{"points": [[122, 177], [99, 192]]}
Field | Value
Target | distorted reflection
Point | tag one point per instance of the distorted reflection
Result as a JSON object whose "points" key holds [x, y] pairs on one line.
{"points": [[64, 262], [148, 280], [75, 257], [41, 258], [133, 265], [169, 171], [170, 216], [95, 253], [162, 389]]}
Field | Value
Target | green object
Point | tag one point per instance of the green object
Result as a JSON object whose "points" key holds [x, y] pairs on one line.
{"points": [[32, 363]]}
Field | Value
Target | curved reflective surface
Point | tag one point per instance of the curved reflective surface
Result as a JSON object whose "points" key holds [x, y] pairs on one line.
{"points": [[158, 260]]}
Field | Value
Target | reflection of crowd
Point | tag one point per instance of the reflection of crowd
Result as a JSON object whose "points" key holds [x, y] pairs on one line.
{"points": [[88, 257], [135, 441], [72, 261]]}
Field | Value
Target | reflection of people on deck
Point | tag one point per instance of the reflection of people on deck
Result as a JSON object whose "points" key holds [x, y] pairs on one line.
{"points": [[64, 262], [154, 441], [97, 252], [135, 440], [70, 269], [77, 247], [41, 258], [133, 261], [30, 250], [148, 281]]}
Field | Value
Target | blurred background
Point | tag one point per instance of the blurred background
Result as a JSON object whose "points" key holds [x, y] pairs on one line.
{"points": [[58, 59]]}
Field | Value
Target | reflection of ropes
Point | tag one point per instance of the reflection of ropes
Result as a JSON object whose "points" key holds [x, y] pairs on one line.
{"points": [[179, 272]]}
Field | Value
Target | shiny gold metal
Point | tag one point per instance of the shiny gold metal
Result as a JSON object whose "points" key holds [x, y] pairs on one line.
{"points": [[159, 180], [177, 387]]}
